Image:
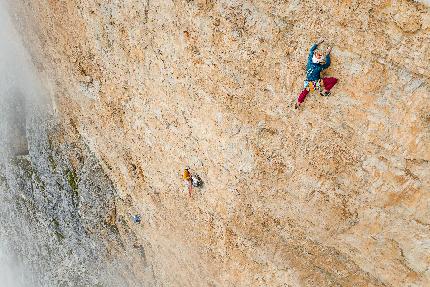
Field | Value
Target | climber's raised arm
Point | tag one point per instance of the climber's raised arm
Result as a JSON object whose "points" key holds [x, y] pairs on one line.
{"points": [[312, 50]]}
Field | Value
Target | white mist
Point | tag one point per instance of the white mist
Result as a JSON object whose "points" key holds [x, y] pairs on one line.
{"points": [[19, 88]]}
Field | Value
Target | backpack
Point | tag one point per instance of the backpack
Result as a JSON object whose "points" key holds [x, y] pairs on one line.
{"points": [[196, 181]]}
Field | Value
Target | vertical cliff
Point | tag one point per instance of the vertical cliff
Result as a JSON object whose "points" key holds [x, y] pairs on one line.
{"points": [[333, 194]]}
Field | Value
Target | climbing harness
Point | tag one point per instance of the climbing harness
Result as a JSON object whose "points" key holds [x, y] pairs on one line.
{"points": [[311, 86]]}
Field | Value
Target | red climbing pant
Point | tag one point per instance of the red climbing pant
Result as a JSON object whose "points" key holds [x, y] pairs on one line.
{"points": [[302, 96], [328, 83]]}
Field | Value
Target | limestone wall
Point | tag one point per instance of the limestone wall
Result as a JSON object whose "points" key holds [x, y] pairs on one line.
{"points": [[333, 194]]}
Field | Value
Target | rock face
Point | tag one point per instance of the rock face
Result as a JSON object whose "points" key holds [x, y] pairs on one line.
{"points": [[336, 193]]}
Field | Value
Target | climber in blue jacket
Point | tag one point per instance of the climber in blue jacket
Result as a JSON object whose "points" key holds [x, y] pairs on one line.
{"points": [[316, 63]]}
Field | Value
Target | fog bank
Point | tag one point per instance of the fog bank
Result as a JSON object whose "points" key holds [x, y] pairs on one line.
{"points": [[19, 89]]}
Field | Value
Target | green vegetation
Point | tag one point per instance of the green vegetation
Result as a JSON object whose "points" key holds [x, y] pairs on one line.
{"points": [[24, 164], [29, 172], [72, 181], [59, 235], [55, 223], [52, 162]]}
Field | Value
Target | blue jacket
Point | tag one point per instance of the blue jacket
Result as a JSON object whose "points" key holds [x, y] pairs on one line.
{"points": [[313, 70]]}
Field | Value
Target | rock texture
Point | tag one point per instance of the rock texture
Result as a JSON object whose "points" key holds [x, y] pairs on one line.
{"points": [[333, 194]]}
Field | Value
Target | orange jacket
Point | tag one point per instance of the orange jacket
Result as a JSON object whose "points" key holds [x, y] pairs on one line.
{"points": [[187, 175]]}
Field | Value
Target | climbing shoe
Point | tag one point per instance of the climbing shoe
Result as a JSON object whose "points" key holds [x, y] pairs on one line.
{"points": [[325, 94]]}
